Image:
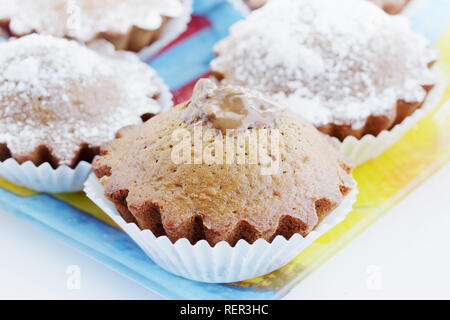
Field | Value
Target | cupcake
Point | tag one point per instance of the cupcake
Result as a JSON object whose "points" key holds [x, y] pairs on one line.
{"points": [[194, 175], [346, 66], [129, 25], [390, 6], [59, 101]]}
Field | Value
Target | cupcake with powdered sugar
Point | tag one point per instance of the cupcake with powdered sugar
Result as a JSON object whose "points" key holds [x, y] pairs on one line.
{"points": [[390, 6], [346, 66], [59, 101], [129, 25]]}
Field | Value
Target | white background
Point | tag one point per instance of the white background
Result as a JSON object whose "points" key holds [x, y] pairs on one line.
{"points": [[405, 254]]}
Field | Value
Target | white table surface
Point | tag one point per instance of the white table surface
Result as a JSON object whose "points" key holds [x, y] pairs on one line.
{"points": [[405, 254]]}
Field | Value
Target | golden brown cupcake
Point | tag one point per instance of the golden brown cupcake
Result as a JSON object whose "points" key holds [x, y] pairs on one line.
{"points": [[390, 6], [346, 66], [129, 25], [59, 100], [217, 196]]}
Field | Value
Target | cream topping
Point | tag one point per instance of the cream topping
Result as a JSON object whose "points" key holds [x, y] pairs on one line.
{"points": [[84, 19], [230, 108], [330, 61], [58, 93]]}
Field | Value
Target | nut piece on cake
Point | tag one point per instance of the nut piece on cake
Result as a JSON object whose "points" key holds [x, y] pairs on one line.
{"points": [[391, 6], [200, 170]]}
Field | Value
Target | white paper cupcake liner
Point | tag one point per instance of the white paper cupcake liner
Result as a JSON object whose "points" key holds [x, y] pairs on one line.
{"points": [[369, 147], [174, 28], [221, 263], [44, 178], [62, 179]]}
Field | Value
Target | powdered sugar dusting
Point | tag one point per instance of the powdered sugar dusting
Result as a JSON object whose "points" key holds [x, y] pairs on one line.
{"points": [[58, 93], [391, 5], [84, 19], [330, 61]]}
